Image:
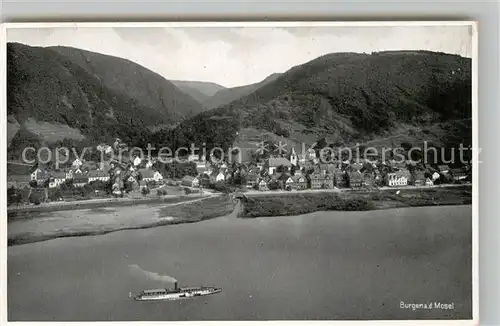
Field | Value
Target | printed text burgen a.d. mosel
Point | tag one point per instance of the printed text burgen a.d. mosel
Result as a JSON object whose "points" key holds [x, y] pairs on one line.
{"points": [[427, 305]]}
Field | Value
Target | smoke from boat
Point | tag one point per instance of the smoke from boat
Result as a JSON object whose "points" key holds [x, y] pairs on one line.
{"points": [[137, 270]]}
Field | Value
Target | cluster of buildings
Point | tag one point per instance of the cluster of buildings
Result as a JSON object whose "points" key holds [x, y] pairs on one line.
{"points": [[289, 172], [307, 172], [82, 173]]}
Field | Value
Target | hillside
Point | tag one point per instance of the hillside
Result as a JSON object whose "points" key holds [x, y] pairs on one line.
{"points": [[228, 95], [348, 98], [59, 93], [50, 98], [200, 91], [143, 85]]}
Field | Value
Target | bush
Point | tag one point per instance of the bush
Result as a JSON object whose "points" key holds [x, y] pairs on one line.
{"points": [[161, 192], [35, 198], [55, 195], [145, 191], [187, 191], [222, 187], [14, 196]]}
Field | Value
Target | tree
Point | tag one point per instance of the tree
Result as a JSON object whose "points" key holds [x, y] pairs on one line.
{"points": [[273, 185], [11, 192], [406, 146]]}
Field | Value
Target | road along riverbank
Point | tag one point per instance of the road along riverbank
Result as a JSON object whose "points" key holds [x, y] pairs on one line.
{"points": [[15, 211]]}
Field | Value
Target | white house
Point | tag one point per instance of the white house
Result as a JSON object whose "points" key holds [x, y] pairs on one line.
{"points": [[193, 158], [104, 148], [137, 161], [77, 163], [150, 175], [38, 174], [399, 178], [220, 177], [96, 175], [429, 182], [57, 179], [263, 185], [435, 176], [190, 181], [289, 182], [149, 164], [71, 173]]}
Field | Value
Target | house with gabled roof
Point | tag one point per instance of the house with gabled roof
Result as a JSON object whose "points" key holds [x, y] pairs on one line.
{"points": [[355, 167], [39, 174], [98, 175], [149, 175], [263, 184], [355, 179], [252, 178], [288, 182], [328, 181], [80, 180], [274, 162], [299, 182], [204, 180], [56, 179], [418, 178], [327, 168], [190, 181], [340, 179], [218, 176], [316, 179]]}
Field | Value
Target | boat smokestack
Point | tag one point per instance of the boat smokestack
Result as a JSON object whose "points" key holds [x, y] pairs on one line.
{"points": [[175, 286]]}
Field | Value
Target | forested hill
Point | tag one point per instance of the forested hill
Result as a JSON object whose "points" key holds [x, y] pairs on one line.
{"points": [[143, 85], [200, 91], [228, 95], [58, 92], [347, 97]]}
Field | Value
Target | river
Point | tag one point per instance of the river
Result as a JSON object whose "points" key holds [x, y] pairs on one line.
{"points": [[324, 265]]}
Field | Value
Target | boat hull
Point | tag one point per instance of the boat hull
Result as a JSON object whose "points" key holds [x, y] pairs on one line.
{"points": [[180, 294]]}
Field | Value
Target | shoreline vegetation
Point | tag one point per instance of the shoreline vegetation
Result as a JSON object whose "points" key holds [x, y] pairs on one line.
{"points": [[209, 207], [303, 203]]}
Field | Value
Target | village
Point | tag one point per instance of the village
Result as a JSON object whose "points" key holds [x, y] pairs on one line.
{"points": [[82, 179]]}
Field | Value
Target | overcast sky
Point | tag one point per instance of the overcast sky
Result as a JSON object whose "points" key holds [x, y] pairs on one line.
{"points": [[240, 56]]}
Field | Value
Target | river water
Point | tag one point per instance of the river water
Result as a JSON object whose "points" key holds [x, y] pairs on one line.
{"points": [[325, 265]]}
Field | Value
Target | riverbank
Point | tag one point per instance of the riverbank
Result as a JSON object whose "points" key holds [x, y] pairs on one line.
{"points": [[296, 203], [34, 226], [15, 211], [41, 226]]}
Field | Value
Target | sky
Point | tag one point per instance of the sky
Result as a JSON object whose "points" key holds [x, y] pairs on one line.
{"points": [[242, 55]]}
